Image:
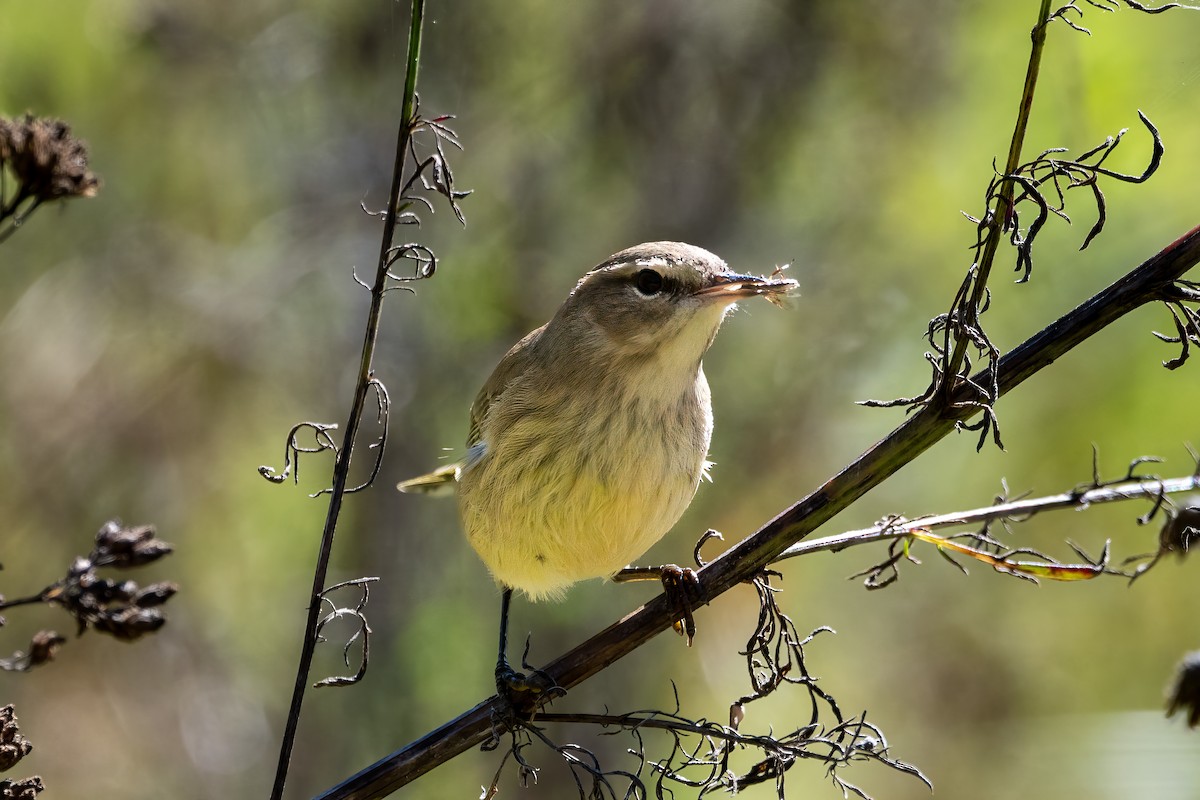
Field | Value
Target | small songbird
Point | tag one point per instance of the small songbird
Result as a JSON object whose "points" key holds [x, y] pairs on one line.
{"points": [[588, 441]]}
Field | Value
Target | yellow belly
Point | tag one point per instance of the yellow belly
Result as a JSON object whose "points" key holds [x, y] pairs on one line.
{"points": [[542, 543], [549, 505]]}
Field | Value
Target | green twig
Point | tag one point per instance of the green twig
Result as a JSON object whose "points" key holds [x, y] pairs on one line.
{"points": [[341, 469], [953, 357]]}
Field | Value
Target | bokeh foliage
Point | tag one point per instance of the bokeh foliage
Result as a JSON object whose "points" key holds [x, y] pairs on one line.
{"points": [[156, 343]]}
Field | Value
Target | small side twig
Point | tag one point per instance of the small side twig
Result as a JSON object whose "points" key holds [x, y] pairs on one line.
{"points": [[900, 528]]}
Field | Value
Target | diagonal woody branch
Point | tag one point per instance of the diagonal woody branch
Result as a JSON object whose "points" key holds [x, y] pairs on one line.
{"points": [[1145, 284]]}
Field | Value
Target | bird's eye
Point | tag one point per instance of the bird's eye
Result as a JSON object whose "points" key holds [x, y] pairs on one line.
{"points": [[648, 282]]}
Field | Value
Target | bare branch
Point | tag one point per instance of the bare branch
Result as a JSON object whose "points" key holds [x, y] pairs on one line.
{"points": [[900, 528]]}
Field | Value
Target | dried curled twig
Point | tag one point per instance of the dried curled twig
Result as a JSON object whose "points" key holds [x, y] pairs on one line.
{"points": [[361, 635], [1062, 175], [962, 322], [700, 753], [324, 443], [293, 448], [431, 173], [1180, 531], [1062, 14], [1175, 297], [1041, 183]]}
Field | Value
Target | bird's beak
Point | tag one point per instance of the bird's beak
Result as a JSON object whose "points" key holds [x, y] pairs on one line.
{"points": [[731, 287]]}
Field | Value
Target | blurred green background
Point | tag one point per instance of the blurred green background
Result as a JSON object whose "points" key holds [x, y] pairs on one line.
{"points": [[157, 342]]}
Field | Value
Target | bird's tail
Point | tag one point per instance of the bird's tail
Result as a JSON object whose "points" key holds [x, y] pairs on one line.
{"points": [[439, 482]]}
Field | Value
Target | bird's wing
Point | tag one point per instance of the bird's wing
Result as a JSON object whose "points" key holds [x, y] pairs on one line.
{"points": [[444, 479], [512, 365]]}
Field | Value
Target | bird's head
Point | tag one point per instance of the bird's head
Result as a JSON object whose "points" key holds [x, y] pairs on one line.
{"points": [[661, 299]]}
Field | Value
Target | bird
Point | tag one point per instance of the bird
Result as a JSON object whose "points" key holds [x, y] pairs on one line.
{"points": [[590, 438]]}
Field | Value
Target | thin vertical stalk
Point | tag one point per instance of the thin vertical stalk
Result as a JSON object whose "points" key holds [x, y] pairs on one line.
{"points": [[953, 361], [341, 468]]}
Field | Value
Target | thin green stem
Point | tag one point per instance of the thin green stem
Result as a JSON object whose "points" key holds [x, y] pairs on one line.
{"points": [[953, 358], [341, 469]]}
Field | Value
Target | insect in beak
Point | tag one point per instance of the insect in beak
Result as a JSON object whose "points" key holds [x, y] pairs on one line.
{"points": [[732, 287]]}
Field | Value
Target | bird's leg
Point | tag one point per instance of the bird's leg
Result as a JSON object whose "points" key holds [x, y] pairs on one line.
{"points": [[681, 586], [506, 676], [523, 693]]}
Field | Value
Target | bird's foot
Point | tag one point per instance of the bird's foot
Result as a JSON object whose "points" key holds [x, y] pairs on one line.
{"points": [[524, 693], [682, 588]]}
